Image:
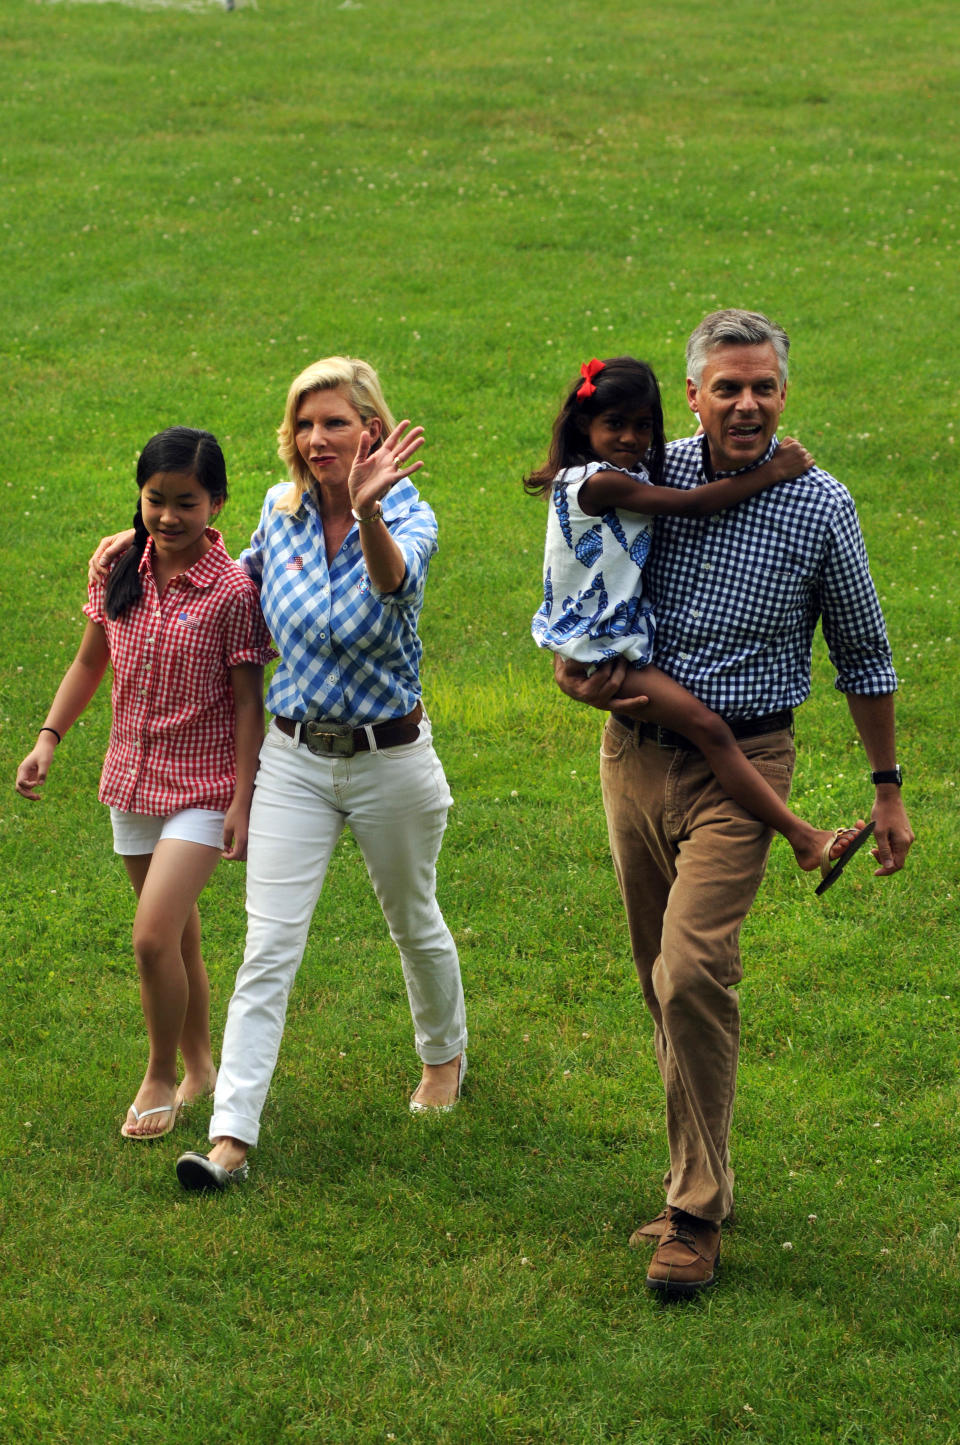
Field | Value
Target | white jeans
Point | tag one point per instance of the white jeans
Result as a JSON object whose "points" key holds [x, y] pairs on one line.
{"points": [[395, 803]]}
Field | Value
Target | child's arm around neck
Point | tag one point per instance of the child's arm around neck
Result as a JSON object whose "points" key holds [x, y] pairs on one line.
{"points": [[618, 489]]}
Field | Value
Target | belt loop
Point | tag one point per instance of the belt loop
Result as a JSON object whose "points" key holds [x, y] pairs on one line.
{"points": [[371, 738]]}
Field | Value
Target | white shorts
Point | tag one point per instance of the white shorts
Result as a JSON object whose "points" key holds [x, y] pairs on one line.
{"points": [[137, 833]]}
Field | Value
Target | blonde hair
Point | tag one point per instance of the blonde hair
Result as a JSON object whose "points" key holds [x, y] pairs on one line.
{"points": [[359, 382]]}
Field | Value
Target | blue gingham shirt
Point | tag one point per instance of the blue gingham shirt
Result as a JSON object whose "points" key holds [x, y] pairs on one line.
{"points": [[348, 653], [737, 595]]}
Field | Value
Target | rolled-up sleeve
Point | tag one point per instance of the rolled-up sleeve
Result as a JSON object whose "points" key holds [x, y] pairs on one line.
{"points": [[852, 620], [245, 635], [415, 533]]}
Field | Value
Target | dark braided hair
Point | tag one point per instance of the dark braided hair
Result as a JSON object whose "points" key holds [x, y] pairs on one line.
{"points": [[178, 449]]}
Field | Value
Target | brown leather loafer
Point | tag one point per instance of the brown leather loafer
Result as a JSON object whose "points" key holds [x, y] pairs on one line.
{"points": [[684, 1261], [647, 1233]]}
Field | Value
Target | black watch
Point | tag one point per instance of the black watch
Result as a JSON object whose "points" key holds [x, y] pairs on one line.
{"points": [[888, 775]]}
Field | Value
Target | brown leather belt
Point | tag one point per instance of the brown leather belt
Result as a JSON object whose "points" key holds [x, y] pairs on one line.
{"points": [[330, 739], [743, 727]]}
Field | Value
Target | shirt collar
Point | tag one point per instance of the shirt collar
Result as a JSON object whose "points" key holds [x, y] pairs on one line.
{"points": [[707, 464], [205, 571]]}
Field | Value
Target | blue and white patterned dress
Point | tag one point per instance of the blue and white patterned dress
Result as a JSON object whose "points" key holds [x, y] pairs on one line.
{"points": [[594, 605]]}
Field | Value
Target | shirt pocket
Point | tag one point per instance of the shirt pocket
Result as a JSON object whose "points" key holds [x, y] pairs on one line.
{"points": [[775, 601], [194, 672]]}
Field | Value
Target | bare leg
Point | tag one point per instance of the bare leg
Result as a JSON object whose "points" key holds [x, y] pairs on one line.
{"points": [[199, 1073], [168, 883], [673, 707]]}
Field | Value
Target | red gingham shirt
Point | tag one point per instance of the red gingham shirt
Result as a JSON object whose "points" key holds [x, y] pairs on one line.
{"points": [[172, 742]]}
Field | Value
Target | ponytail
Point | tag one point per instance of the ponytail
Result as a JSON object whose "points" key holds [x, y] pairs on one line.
{"points": [[124, 587]]}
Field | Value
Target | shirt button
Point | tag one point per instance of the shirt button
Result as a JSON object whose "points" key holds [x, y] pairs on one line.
{"points": [[706, 566]]}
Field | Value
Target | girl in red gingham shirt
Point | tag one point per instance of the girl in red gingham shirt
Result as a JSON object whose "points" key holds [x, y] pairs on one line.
{"points": [[180, 623]]}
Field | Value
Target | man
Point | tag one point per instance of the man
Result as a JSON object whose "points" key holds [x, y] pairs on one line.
{"points": [[737, 597]]}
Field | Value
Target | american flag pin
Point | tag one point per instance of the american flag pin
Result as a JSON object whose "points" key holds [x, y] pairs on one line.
{"points": [[295, 564]]}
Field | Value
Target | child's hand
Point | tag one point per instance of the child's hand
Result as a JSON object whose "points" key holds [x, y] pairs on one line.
{"points": [[790, 460], [629, 706], [107, 551], [597, 689], [32, 772], [236, 829]]}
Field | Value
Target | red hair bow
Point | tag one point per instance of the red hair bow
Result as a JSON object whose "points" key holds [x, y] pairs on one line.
{"points": [[588, 371]]}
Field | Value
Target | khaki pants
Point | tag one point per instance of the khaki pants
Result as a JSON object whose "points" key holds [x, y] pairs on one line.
{"points": [[689, 863]]}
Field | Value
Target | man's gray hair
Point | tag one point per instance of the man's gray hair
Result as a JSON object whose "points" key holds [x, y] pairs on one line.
{"points": [[735, 328]]}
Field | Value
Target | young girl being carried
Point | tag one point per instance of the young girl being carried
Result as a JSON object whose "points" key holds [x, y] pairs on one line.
{"points": [[602, 478], [180, 623]]}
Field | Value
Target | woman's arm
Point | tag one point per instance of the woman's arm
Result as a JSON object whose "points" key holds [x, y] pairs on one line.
{"points": [[246, 679], [616, 489], [107, 551], [371, 477], [80, 682]]}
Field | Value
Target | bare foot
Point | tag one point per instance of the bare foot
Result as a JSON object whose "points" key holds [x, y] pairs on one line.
{"points": [[439, 1086], [808, 845], [228, 1153], [197, 1085], [152, 1113]]}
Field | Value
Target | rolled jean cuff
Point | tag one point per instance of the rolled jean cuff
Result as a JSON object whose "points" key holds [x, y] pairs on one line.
{"points": [[235, 1126], [441, 1054]]}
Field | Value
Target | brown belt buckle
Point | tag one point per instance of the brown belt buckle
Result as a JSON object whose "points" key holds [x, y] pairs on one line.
{"points": [[330, 739]]}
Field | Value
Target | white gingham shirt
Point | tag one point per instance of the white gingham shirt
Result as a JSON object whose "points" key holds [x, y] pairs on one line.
{"points": [[173, 735], [348, 653], [737, 595]]}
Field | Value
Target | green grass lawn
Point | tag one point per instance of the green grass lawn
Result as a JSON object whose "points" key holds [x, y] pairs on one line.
{"points": [[476, 199]]}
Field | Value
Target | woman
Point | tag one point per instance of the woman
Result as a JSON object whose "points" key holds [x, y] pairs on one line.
{"points": [[340, 557]]}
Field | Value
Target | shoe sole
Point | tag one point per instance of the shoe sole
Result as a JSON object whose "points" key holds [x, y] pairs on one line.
{"points": [[850, 852], [680, 1289], [196, 1174]]}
